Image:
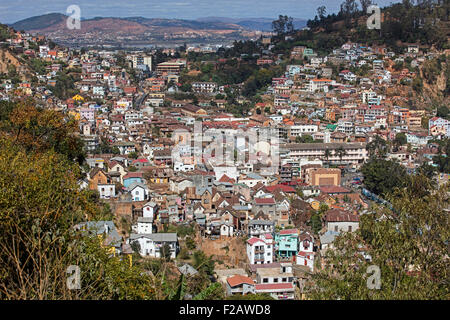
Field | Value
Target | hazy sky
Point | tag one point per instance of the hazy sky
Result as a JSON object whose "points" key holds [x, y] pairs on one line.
{"points": [[14, 10]]}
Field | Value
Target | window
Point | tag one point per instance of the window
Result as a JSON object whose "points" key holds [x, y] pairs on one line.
{"points": [[275, 280], [350, 228], [265, 280], [335, 228]]}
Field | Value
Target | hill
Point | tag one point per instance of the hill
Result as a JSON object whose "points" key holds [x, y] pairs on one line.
{"points": [[261, 24], [40, 22], [133, 30]]}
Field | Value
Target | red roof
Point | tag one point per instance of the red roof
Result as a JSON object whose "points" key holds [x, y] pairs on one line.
{"points": [[289, 231], [133, 175], [226, 178], [334, 189], [337, 215], [254, 240], [304, 253], [274, 286], [265, 201], [140, 160], [238, 280], [283, 188]]}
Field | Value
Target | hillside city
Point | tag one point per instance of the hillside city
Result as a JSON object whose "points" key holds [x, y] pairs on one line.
{"points": [[230, 171]]}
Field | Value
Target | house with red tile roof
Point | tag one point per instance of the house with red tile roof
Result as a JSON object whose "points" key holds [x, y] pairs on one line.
{"points": [[279, 291], [239, 284], [341, 221], [260, 250]]}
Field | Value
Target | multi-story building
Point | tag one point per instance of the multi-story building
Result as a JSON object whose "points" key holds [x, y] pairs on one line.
{"points": [[438, 125], [298, 130], [286, 243], [204, 87], [354, 153], [153, 244], [255, 228], [260, 250]]}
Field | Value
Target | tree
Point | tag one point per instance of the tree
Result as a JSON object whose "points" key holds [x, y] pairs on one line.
{"points": [[321, 11], [382, 177], [409, 245], [305, 138], [400, 139], [327, 154], [133, 155], [442, 112], [41, 203], [365, 4], [39, 130], [341, 152], [165, 251], [283, 24], [377, 148], [203, 263], [316, 223]]}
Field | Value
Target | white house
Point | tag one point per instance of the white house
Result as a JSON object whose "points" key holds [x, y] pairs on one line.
{"points": [[260, 250], [239, 284], [107, 190], [306, 258], [143, 226], [149, 210], [152, 244], [139, 192], [341, 221]]}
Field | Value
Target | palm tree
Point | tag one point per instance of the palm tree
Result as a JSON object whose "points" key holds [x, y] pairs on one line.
{"points": [[340, 152], [327, 154]]}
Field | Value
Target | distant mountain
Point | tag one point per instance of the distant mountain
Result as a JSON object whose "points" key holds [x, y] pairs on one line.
{"points": [[40, 22], [114, 31], [52, 21], [260, 24]]}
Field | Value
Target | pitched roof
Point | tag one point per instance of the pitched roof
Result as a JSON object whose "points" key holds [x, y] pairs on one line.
{"points": [[281, 187], [238, 280], [254, 240], [334, 189], [337, 215], [274, 286], [226, 178], [264, 201], [289, 231]]}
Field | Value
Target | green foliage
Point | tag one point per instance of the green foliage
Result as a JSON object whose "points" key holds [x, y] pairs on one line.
{"points": [[203, 263], [305, 138], [213, 292], [133, 155], [190, 243], [377, 148], [409, 244], [442, 111], [65, 86], [316, 222], [283, 24], [40, 130], [400, 139], [383, 176], [403, 22]]}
